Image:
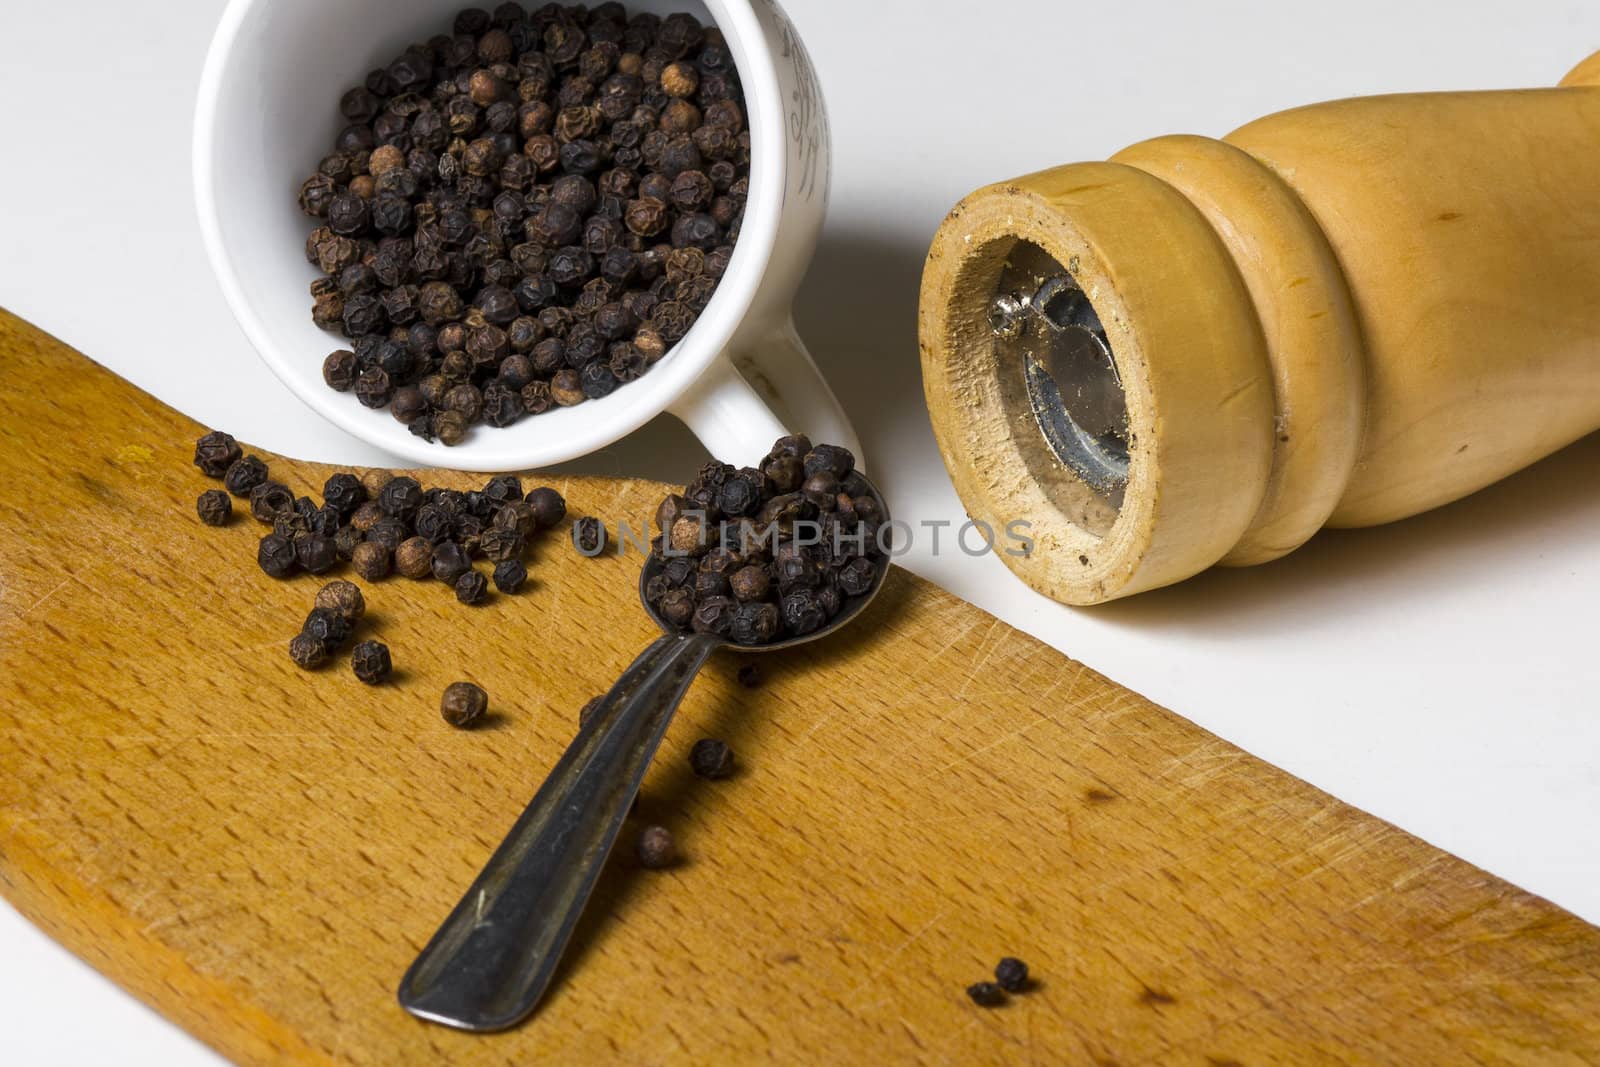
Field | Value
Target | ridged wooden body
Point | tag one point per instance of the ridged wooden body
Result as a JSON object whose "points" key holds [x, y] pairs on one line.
{"points": [[1347, 314]]}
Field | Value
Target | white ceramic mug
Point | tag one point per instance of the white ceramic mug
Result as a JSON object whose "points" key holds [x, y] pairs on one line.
{"points": [[268, 111]]}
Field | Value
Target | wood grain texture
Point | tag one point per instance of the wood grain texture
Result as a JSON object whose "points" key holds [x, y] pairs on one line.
{"points": [[258, 852]]}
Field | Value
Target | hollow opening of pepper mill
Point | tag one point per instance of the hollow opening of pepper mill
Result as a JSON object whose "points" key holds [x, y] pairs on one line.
{"points": [[1045, 329]]}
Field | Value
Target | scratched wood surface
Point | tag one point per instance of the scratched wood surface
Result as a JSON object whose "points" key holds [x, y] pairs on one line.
{"points": [[258, 852]]}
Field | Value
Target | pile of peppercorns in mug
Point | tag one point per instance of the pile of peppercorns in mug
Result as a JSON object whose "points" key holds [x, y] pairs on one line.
{"points": [[526, 212], [762, 554]]}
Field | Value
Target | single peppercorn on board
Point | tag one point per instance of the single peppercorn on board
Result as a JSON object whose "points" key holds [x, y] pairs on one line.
{"points": [[260, 851]]}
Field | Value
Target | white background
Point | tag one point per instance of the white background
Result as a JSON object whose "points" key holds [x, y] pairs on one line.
{"points": [[1440, 672]]}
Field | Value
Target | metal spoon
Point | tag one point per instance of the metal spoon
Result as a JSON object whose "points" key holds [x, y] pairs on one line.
{"points": [[490, 962]]}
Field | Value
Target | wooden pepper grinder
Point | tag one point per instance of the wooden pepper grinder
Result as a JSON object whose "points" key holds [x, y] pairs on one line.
{"points": [[1203, 351]]}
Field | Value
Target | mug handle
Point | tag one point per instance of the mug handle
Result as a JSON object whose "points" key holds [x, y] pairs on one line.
{"points": [[760, 390]]}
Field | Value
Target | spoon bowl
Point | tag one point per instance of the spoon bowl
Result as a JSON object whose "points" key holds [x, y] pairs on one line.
{"points": [[855, 484], [489, 964]]}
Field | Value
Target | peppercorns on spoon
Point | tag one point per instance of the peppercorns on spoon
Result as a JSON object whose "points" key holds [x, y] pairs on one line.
{"points": [[488, 965]]}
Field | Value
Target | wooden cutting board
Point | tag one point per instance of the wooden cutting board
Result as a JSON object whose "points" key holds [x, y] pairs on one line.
{"points": [[258, 852]]}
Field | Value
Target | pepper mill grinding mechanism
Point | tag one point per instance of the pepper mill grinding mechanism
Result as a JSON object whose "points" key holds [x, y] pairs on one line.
{"points": [[1204, 351]]}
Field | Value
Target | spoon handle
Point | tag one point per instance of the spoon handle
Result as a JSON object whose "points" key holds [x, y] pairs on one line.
{"points": [[489, 963]]}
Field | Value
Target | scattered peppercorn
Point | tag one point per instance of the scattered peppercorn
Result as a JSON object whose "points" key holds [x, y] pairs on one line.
{"points": [[307, 651], [370, 561], [656, 848], [463, 704], [1011, 974], [749, 676], [765, 553], [548, 506], [589, 536], [244, 474], [472, 587], [370, 662], [554, 160], [316, 552], [214, 507], [450, 561], [509, 575], [343, 599], [711, 758], [276, 555], [268, 499], [986, 994], [215, 453]]}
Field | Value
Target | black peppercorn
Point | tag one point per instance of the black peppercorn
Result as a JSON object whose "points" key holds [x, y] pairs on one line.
{"points": [[307, 651], [370, 561], [829, 459], [373, 387], [502, 489], [214, 507], [276, 556], [344, 492], [343, 599], [795, 572], [785, 472], [517, 515], [346, 540], [676, 607], [434, 523], [388, 532], [749, 676], [215, 453], [472, 587], [401, 498], [509, 575], [407, 404], [715, 615], [371, 663], [1011, 974], [268, 499], [339, 369], [373, 481], [316, 553], [450, 427], [328, 627], [244, 474], [986, 994], [502, 405], [463, 704], [711, 758], [501, 543], [710, 584], [655, 848], [754, 624], [589, 536], [822, 489], [741, 494], [566, 388], [413, 558], [465, 400], [680, 80], [450, 562], [750, 583]]}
